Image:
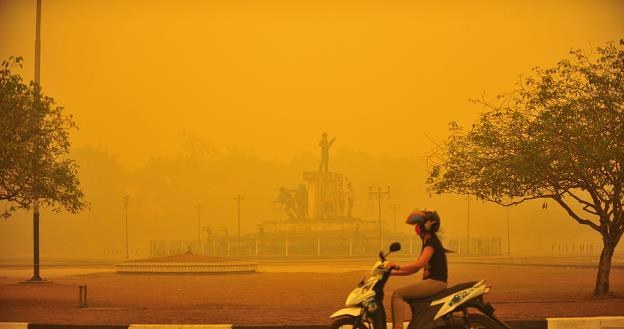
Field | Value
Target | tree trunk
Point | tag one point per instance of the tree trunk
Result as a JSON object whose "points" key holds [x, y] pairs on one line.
{"points": [[604, 268]]}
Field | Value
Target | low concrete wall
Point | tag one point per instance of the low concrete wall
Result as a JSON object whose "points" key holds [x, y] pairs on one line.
{"points": [[225, 267]]}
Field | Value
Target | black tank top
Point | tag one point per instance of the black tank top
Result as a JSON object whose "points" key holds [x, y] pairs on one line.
{"points": [[437, 268]]}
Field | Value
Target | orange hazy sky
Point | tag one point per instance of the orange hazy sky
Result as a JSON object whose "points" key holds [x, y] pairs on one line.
{"points": [[269, 76]]}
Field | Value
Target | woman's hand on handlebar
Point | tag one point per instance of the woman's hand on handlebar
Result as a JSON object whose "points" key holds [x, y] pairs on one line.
{"points": [[392, 266]]}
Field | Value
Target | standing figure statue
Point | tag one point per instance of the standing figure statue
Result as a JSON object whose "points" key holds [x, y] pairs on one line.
{"points": [[325, 145]]}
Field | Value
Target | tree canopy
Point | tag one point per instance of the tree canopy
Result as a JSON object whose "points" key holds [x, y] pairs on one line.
{"points": [[35, 142], [559, 136]]}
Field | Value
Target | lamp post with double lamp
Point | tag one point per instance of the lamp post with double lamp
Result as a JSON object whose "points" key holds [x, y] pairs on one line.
{"points": [[395, 207], [379, 194], [238, 200]]}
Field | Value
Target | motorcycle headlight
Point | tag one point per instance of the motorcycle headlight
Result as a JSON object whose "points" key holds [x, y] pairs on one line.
{"points": [[370, 306]]}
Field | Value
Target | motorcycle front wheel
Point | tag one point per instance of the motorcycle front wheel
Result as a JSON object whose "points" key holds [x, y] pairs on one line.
{"points": [[480, 321], [348, 322]]}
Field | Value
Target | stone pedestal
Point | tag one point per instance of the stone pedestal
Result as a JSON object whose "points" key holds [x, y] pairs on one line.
{"points": [[326, 196]]}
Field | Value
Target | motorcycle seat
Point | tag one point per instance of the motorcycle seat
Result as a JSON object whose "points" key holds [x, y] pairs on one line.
{"points": [[441, 294]]}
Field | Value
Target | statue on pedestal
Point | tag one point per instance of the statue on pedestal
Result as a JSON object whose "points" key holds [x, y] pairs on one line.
{"points": [[289, 203], [325, 145], [301, 197], [294, 202]]}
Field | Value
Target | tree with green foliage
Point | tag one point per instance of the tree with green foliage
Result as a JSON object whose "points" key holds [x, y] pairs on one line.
{"points": [[559, 136], [34, 135]]}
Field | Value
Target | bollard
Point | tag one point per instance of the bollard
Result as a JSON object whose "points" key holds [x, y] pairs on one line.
{"points": [[82, 296]]}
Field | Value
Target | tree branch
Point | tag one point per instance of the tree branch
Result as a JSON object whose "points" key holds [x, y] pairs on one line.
{"points": [[585, 204], [575, 216], [521, 200]]}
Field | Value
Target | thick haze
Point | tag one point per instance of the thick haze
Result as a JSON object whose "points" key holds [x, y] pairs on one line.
{"points": [[180, 102]]}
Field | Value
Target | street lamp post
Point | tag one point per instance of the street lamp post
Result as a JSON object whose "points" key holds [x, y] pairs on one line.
{"points": [[379, 194], [36, 277], [126, 203], [508, 236], [395, 207], [199, 246], [468, 228], [238, 199]]}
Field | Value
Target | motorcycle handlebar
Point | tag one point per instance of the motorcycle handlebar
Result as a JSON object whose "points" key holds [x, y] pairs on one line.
{"points": [[393, 268], [383, 260]]}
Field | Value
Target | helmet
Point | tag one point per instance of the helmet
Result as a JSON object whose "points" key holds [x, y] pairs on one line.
{"points": [[427, 221]]}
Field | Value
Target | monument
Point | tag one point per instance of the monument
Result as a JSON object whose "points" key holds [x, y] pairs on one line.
{"points": [[325, 189], [315, 219], [325, 194], [320, 207]]}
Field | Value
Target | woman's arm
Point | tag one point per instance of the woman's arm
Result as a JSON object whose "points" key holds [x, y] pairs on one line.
{"points": [[411, 268]]}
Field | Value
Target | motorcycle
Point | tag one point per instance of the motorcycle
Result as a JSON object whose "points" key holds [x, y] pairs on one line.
{"points": [[447, 309]]}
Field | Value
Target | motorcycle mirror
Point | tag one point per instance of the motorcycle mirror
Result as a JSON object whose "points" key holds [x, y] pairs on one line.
{"points": [[395, 246]]}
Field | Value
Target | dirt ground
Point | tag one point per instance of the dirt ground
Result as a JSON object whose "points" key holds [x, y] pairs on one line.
{"points": [[519, 292]]}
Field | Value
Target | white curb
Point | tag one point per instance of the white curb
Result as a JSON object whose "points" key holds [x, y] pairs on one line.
{"points": [[179, 326], [13, 325], [389, 325], [600, 322]]}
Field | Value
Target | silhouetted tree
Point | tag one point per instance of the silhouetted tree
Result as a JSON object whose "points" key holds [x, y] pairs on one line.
{"points": [[34, 135], [560, 136]]}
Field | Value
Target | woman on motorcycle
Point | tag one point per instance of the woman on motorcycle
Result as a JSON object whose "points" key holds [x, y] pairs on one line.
{"points": [[432, 260]]}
